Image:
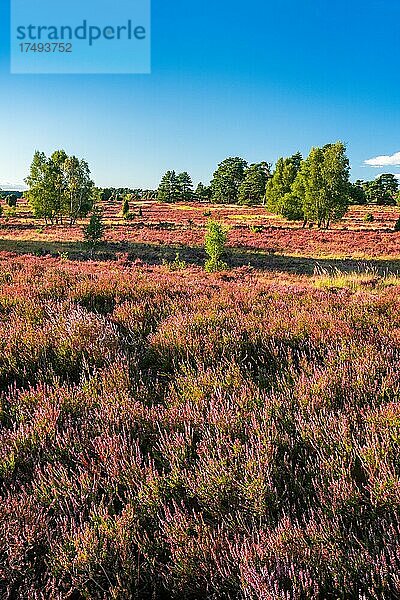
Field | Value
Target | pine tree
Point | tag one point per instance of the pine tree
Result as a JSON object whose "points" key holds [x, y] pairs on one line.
{"points": [[125, 207], [252, 188], [94, 231], [227, 179], [185, 185], [203, 192], [169, 190]]}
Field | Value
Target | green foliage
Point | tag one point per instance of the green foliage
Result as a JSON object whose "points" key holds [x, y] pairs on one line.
{"points": [[59, 186], [322, 184], [214, 245], [185, 185], [383, 190], [11, 200], [397, 225], [369, 218], [252, 188], [177, 264], [203, 192], [227, 180], [281, 183], [292, 207], [357, 194], [256, 228], [125, 207], [174, 188], [9, 211], [94, 230]]}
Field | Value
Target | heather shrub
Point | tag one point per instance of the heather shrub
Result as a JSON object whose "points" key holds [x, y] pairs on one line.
{"points": [[180, 435]]}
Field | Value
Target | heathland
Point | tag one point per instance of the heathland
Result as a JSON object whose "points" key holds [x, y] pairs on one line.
{"points": [[168, 433]]}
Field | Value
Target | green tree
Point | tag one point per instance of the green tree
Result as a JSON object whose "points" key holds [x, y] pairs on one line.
{"points": [[169, 189], [78, 188], [41, 192], [281, 182], [383, 190], [227, 179], [357, 194], [185, 186], [252, 188], [125, 207], [94, 230], [11, 200], [203, 192], [214, 245], [292, 207], [322, 184], [59, 186]]}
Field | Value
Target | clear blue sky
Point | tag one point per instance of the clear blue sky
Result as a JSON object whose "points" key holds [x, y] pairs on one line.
{"points": [[258, 79]]}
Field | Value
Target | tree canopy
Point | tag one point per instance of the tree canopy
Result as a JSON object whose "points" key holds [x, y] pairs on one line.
{"points": [[252, 188], [59, 186], [175, 187], [227, 180]]}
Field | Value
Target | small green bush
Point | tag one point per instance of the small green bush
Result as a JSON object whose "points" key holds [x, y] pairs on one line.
{"points": [[10, 211], [397, 225], [177, 264], [12, 200], [214, 245], [125, 207], [369, 218], [94, 231]]}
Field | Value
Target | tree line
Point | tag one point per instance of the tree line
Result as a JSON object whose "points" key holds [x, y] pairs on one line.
{"points": [[312, 189]]}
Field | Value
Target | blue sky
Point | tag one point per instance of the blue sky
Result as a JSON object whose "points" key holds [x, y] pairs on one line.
{"points": [[259, 79]]}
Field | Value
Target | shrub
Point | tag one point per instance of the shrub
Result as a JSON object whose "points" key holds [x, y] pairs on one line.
{"points": [[94, 231], [12, 200], [214, 245], [177, 264], [369, 218], [10, 211], [397, 225], [125, 207]]}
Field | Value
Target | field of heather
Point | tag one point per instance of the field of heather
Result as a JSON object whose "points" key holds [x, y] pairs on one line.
{"points": [[256, 237], [168, 434], [178, 435]]}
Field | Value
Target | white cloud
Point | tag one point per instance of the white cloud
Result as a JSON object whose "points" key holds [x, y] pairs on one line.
{"points": [[384, 161]]}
